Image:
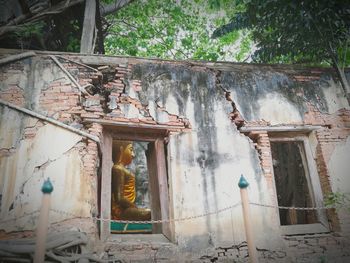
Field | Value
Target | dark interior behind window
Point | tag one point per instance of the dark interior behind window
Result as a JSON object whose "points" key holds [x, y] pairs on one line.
{"points": [[291, 178]]}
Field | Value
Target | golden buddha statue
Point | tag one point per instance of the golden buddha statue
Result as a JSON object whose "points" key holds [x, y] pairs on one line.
{"points": [[123, 185]]}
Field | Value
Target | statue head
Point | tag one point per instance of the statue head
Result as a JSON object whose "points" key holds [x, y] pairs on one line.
{"points": [[123, 152]]}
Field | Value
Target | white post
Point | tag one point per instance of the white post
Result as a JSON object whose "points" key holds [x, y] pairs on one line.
{"points": [[243, 184], [42, 227]]}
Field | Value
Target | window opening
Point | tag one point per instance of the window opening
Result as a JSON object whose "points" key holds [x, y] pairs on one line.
{"points": [[149, 155], [292, 181], [132, 173]]}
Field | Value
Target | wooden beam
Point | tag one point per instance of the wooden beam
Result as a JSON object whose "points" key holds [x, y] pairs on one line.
{"points": [[87, 36], [163, 188], [106, 182], [153, 187]]}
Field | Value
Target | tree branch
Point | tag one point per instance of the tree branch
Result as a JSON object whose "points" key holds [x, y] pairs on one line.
{"points": [[25, 18], [335, 62], [107, 9], [345, 52]]}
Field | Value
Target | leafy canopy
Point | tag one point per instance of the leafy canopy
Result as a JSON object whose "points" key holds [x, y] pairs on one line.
{"points": [[171, 29], [298, 31]]}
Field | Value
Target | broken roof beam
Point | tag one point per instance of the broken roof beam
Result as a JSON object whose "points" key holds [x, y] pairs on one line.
{"points": [[15, 57]]}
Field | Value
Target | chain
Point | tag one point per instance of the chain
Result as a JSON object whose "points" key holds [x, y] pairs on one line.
{"points": [[292, 208], [160, 221]]}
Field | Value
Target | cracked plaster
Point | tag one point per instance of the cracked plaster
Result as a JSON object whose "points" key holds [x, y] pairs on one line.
{"points": [[205, 163], [334, 97], [339, 167], [11, 126], [272, 96], [277, 110], [34, 77], [205, 159], [50, 153]]}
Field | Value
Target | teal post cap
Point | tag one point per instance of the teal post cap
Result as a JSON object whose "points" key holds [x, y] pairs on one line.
{"points": [[243, 183], [47, 187]]}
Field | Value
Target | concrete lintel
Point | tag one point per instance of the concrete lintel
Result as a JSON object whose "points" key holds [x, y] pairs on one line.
{"points": [[133, 125], [289, 128]]}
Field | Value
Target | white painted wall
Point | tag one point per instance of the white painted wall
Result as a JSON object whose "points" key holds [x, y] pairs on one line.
{"points": [[198, 191], [276, 109], [334, 97], [53, 153], [339, 170]]}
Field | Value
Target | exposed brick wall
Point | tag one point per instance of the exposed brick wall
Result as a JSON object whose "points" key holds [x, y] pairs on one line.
{"points": [[13, 94], [109, 102], [58, 99], [63, 101], [334, 131], [262, 144]]}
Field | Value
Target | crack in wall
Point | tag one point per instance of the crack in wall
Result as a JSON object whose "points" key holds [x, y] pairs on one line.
{"points": [[254, 138], [117, 102], [235, 115], [240, 252], [25, 132], [24, 135], [49, 161], [7, 151], [17, 200], [124, 99]]}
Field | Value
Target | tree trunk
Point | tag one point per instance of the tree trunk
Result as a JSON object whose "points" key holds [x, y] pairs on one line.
{"points": [[87, 36], [100, 37], [341, 74]]}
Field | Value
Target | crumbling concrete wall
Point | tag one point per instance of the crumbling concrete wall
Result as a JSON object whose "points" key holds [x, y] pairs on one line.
{"points": [[219, 117], [204, 165], [32, 150]]}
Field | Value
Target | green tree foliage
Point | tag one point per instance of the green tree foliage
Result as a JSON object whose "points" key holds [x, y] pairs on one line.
{"points": [[298, 31], [338, 200], [58, 29], [173, 29], [314, 31]]}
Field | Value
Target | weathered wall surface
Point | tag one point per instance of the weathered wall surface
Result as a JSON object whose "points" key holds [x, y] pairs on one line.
{"points": [[32, 150], [339, 167], [205, 167], [281, 96], [219, 117]]}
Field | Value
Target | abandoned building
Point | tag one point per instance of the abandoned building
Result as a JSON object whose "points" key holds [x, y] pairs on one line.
{"points": [[145, 157]]}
